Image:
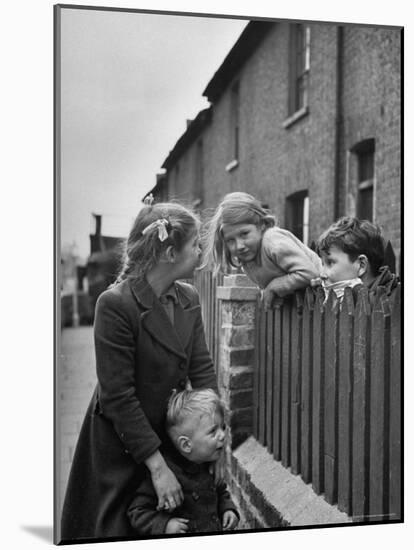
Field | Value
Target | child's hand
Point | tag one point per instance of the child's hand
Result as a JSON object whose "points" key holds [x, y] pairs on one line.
{"points": [[267, 298], [230, 520], [316, 282], [177, 525]]}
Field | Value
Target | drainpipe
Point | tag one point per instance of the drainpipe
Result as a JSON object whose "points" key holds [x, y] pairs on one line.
{"points": [[338, 118]]}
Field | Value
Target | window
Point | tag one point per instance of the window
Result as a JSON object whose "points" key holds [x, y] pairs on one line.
{"points": [[234, 126], [299, 67], [199, 175], [365, 174], [297, 215], [365, 186], [235, 103], [161, 189], [172, 185]]}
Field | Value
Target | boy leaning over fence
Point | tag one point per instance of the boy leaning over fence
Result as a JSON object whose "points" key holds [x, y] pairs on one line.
{"points": [[353, 253]]}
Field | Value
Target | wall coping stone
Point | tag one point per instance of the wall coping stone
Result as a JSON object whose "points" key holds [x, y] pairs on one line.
{"points": [[238, 279], [292, 499], [237, 293]]}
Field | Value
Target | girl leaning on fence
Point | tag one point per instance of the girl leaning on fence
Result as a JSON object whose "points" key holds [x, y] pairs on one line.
{"points": [[149, 339], [242, 233]]}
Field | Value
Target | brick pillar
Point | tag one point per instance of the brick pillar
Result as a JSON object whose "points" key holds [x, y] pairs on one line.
{"points": [[237, 303]]}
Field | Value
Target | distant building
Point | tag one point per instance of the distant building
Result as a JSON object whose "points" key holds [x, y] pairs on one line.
{"points": [[75, 308], [305, 116], [69, 264], [104, 261], [81, 285]]}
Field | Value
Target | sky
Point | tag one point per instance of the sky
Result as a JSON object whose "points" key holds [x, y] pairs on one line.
{"points": [[129, 82]]}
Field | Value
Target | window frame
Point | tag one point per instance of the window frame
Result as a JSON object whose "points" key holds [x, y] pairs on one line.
{"points": [[364, 152], [198, 196], [299, 71], [292, 201], [234, 126]]}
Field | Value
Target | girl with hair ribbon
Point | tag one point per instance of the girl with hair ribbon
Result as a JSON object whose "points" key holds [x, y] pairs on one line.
{"points": [[149, 339]]}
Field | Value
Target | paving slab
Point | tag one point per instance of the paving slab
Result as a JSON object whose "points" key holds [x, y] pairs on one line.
{"points": [[76, 380]]}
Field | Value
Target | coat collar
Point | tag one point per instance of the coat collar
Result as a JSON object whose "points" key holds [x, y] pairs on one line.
{"points": [[384, 278], [155, 319], [192, 468], [145, 295]]}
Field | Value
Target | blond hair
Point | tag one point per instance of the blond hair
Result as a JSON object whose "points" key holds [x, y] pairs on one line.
{"points": [[186, 404], [235, 208]]}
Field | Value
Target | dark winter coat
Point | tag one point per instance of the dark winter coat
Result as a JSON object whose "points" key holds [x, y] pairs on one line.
{"points": [[140, 358], [385, 280], [205, 500]]}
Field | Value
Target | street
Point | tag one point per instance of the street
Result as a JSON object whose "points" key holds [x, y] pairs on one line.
{"points": [[76, 380]]}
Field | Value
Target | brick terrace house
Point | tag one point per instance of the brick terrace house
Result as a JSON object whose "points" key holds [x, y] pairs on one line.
{"points": [[307, 117]]}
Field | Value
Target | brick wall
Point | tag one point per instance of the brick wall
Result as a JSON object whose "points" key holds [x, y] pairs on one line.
{"points": [[236, 353], [372, 108], [275, 161]]}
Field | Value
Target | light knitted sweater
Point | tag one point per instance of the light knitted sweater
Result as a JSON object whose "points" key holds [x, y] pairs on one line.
{"points": [[283, 263]]}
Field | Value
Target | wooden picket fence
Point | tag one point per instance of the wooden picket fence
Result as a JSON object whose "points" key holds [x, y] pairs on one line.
{"points": [[327, 390], [206, 285]]}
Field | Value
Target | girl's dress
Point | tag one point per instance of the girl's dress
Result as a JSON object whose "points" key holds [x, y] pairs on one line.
{"points": [[284, 262], [140, 358]]}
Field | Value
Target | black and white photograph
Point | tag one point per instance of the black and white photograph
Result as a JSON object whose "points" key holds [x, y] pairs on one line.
{"points": [[213, 348], [229, 350]]}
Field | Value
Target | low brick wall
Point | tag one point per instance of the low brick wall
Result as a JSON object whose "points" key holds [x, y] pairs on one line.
{"points": [[270, 496]]}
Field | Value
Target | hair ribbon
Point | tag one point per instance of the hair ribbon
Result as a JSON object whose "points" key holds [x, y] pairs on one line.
{"points": [[161, 226], [149, 199]]}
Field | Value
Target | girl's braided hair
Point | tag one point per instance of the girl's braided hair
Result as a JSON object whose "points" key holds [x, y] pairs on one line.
{"points": [[142, 251]]}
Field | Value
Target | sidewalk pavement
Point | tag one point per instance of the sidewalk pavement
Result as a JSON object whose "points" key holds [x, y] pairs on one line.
{"points": [[76, 379]]}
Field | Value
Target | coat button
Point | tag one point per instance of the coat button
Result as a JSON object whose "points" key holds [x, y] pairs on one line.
{"points": [[181, 383], [182, 365], [195, 495]]}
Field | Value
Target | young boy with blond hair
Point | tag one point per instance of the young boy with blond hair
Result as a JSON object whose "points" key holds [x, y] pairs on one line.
{"points": [[195, 425]]}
